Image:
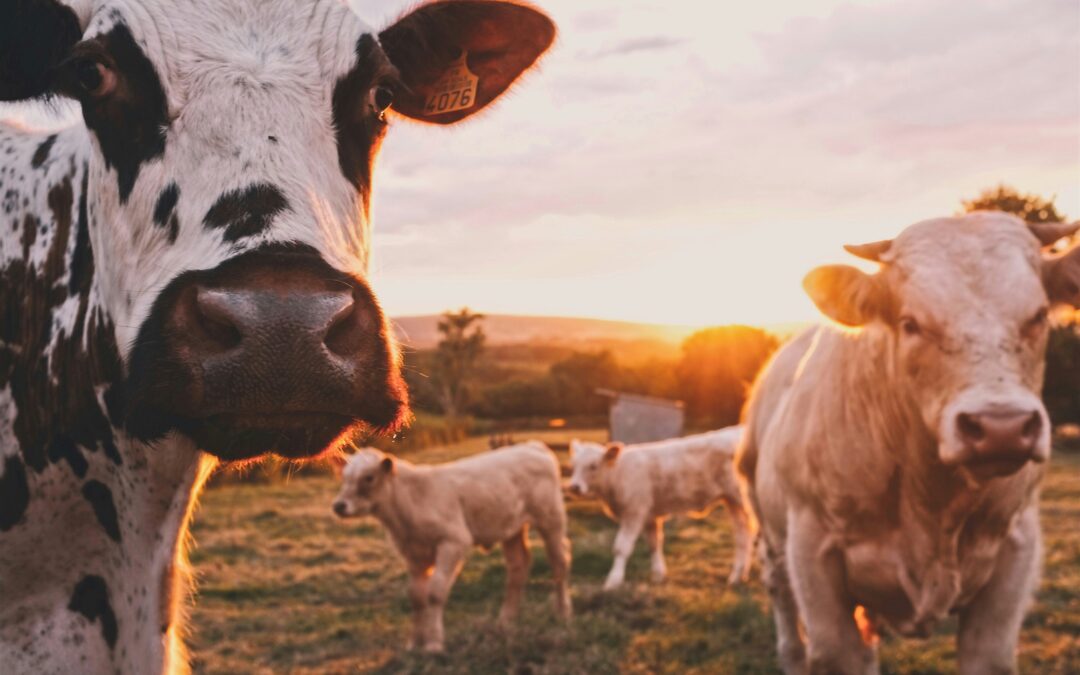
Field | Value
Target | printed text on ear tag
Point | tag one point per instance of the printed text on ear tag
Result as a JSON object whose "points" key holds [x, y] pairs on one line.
{"points": [[455, 90]]}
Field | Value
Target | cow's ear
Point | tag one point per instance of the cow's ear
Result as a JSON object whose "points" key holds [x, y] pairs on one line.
{"points": [[388, 466], [35, 37], [612, 452], [1061, 276], [847, 295], [457, 56]]}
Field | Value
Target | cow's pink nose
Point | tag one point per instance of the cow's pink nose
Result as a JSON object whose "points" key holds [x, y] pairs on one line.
{"points": [[1007, 437]]}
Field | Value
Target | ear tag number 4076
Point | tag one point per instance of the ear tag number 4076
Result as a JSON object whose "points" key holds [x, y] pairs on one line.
{"points": [[455, 90]]}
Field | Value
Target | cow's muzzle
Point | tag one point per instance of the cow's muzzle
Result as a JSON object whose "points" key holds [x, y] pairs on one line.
{"points": [[272, 352], [999, 442]]}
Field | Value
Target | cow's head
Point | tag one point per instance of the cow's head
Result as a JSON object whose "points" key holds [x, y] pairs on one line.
{"points": [[589, 462], [365, 479], [962, 305], [230, 163]]}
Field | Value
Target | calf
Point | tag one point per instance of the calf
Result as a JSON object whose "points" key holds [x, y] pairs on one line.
{"points": [[894, 464], [183, 278], [641, 485], [436, 514]]}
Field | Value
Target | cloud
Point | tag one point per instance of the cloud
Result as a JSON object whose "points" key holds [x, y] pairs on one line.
{"points": [[635, 45]]}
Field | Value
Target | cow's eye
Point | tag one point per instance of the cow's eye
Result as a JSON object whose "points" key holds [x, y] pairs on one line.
{"points": [[94, 78], [382, 97], [909, 326]]}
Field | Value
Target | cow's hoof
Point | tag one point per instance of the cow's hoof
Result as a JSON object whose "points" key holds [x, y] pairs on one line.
{"points": [[612, 585], [434, 648], [659, 577]]}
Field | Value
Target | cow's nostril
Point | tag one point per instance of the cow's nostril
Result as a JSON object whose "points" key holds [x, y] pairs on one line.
{"points": [[1032, 427], [339, 508], [970, 428], [349, 330], [215, 318]]}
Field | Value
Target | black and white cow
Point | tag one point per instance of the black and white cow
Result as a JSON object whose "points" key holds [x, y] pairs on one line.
{"points": [[182, 278]]}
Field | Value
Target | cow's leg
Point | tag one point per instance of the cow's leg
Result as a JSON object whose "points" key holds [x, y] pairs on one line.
{"points": [[448, 559], [789, 642], [990, 625], [557, 546], [816, 569], [418, 589], [743, 534], [654, 535], [629, 529], [518, 559]]}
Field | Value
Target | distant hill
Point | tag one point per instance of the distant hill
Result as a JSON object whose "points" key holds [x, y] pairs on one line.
{"points": [[421, 332]]}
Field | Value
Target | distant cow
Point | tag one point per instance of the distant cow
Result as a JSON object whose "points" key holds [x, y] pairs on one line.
{"points": [[436, 514], [895, 464], [641, 485], [183, 271]]}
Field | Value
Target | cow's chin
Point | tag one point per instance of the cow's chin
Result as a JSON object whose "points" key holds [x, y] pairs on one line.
{"points": [[235, 437]]}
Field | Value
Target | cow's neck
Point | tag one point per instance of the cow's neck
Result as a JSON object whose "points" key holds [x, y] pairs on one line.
{"points": [[89, 519]]}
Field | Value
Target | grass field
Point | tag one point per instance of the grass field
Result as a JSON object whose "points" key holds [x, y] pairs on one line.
{"points": [[286, 588]]}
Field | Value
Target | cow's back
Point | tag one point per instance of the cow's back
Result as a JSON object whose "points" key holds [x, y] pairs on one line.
{"points": [[679, 475], [766, 399], [500, 490]]}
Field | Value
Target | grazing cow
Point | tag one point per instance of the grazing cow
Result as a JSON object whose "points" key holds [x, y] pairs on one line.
{"points": [[182, 277], [894, 465], [436, 514], [641, 485]]}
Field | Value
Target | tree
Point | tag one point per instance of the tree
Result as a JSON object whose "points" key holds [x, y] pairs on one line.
{"points": [[1060, 391], [578, 376], [461, 345], [1032, 208], [717, 367]]}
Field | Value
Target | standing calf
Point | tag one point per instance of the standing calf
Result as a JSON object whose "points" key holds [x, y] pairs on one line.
{"points": [[641, 485], [436, 514], [895, 465]]}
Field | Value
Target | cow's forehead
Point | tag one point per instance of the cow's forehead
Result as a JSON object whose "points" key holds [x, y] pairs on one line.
{"points": [[191, 41], [955, 262], [362, 462], [585, 451]]}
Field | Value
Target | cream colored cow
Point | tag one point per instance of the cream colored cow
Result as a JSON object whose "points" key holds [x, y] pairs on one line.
{"points": [[435, 514], [641, 485], [895, 464]]}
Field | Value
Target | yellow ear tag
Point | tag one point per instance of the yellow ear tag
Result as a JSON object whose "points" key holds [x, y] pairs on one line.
{"points": [[455, 90]]}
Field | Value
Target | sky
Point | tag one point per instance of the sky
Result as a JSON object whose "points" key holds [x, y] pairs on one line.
{"points": [[689, 163]]}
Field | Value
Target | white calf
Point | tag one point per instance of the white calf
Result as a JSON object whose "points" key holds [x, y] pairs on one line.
{"points": [[435, 514], [641, 485]]}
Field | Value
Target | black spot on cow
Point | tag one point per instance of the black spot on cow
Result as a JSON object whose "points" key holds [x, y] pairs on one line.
{"points": [[42, 152], [247, 211], [14, 493], [101, 500], [165, 211], [53, 380], [130, 123], [91, 599], [63, 448], [34, 38], [358, 132]]}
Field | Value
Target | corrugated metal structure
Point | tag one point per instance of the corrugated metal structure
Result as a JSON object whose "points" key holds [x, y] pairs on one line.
{"points": [[634, 418]]}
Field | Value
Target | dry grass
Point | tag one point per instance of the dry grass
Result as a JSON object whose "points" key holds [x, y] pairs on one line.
{"points": [[286, 588]]}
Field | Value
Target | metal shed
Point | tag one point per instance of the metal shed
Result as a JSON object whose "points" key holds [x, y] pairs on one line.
{"points": [[633, 418]]}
